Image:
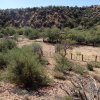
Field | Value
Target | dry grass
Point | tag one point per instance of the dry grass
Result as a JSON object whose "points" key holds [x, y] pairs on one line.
{"points": [[49, 50], [89, 52]]}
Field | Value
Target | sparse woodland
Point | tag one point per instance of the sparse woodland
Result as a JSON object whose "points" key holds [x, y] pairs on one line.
{"points": [[60, 17]]}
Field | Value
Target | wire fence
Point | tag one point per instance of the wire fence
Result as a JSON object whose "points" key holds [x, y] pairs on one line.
{"points": [[76, 57], [84, 58]]}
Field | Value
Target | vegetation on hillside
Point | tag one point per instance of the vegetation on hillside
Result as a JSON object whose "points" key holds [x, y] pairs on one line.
{"points": [[81, 36], [60, 17]]}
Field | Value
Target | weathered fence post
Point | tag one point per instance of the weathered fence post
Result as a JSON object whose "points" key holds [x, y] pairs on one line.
{"points": [[96, 58], [71, 56], [82, 57]]}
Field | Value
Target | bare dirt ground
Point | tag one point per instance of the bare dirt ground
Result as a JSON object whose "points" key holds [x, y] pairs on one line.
{"points": [[87, 50], [55, 92], [49, 51], [10, 92]]}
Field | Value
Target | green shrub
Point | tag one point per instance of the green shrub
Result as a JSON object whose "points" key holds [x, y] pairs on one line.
{"points": [[8, 31], [37, 49], [1, 35], [16, 37], [7, 44], [51, 34], [11, 31], [63, 65], [27, 31], [44, 61], [78, 69], [3, 61], [33, 35], [96, 64], [67, 98], [92, 65], [21, 31], [25, 69]]}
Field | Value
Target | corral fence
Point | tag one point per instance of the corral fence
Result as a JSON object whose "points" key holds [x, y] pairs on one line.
{"points": [[76, 57]]}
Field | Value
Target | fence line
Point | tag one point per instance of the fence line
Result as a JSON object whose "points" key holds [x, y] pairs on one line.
{"points": [[76, 57], [84, 58]]}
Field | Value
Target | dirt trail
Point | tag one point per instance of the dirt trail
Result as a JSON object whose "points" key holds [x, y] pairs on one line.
{"points": [[48, 52], [48, 49]]}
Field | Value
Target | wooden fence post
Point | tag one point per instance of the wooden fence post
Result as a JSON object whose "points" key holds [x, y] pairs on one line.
{"points": [[82, 57], [71, 56], [96, 58]]}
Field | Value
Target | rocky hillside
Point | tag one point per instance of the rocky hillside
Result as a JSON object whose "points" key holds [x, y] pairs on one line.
{"points": [[84, 17]]}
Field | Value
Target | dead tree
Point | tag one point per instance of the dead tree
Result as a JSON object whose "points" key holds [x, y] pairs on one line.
{"points": [[64, 46]]}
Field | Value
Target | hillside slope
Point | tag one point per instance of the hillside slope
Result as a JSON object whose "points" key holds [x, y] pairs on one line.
{"points": [[84, 17]]}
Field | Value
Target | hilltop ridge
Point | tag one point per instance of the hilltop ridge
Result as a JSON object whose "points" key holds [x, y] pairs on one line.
{"points": [[60, 16]]}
